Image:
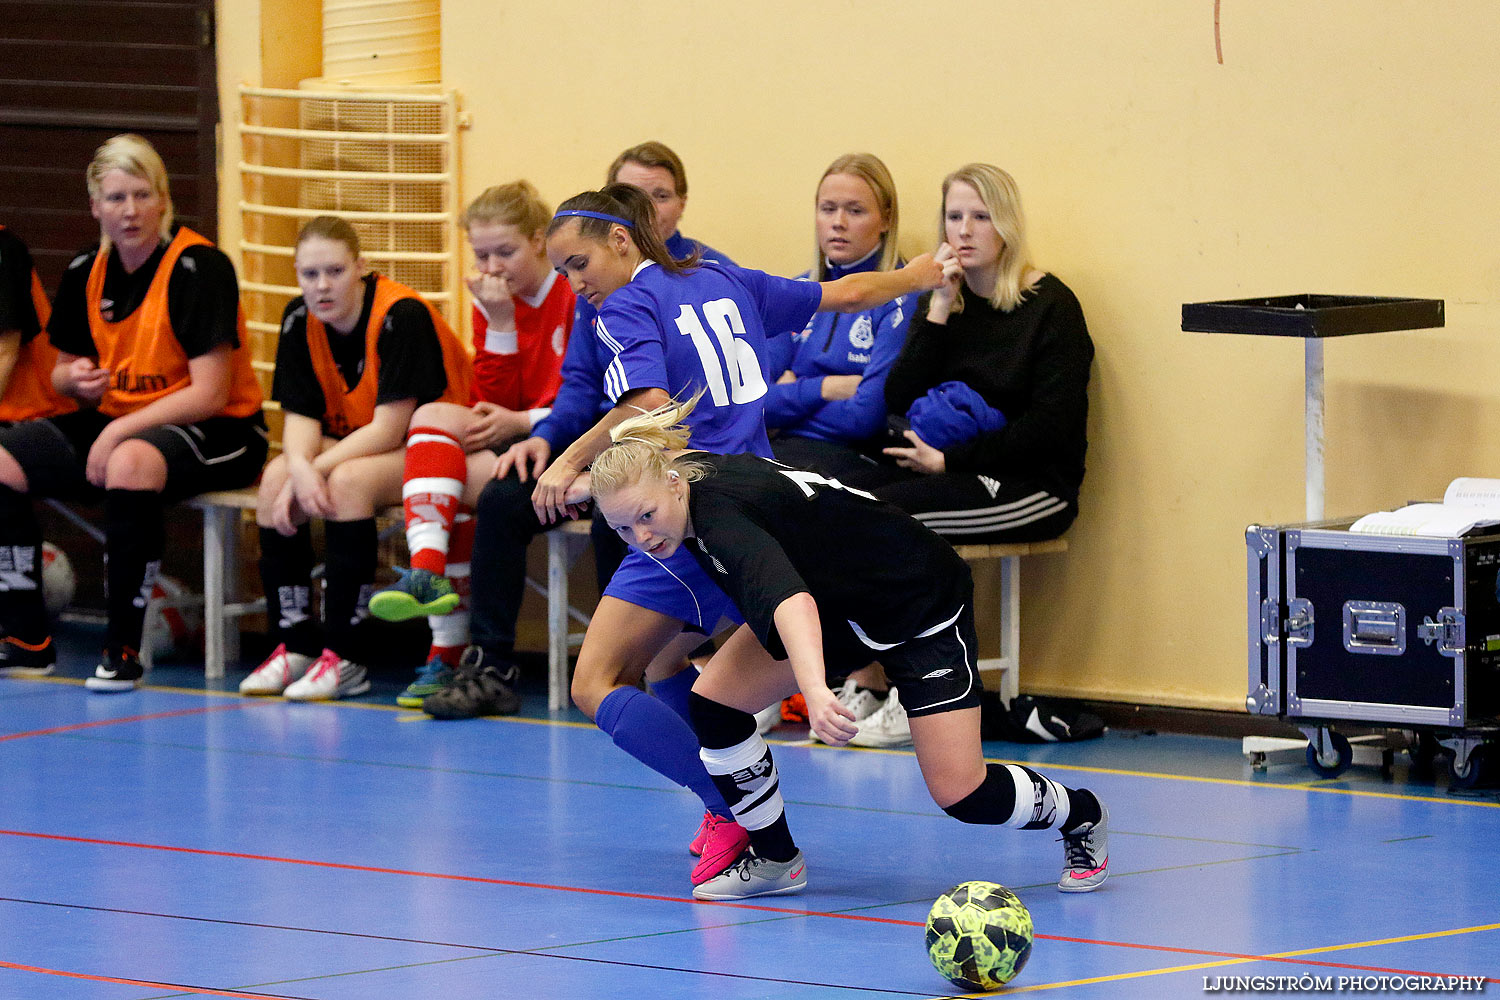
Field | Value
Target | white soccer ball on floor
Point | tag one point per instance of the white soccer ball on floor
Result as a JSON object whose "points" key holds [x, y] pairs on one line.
{"points": [[58, 582], [174, 621]]}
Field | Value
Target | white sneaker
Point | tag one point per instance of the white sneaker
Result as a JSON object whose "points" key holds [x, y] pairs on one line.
{"points": [[329, 677], [1086, 856], [755, 876], [861, 701], [768, 718], [886, 728], [279, 670]]}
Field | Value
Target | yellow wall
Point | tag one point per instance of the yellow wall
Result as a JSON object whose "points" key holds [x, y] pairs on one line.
{"points": [[1342, 148]]}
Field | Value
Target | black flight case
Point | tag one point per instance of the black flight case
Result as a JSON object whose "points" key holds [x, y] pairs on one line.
{"points": [[1377, 631]]}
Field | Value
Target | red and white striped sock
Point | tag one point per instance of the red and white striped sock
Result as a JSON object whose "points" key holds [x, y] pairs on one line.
{"points": [[450, 632], [435, 471]]}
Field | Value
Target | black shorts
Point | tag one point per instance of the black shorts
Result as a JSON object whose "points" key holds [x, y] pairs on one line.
{"points": [[220, 453], [937, 671]]}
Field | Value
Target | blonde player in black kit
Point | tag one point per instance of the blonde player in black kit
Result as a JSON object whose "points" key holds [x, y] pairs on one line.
{"points": [[827, 577]]}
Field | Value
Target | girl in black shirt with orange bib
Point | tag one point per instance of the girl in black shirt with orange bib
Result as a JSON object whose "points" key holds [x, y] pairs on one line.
{"points": [[151, 344], [358, 354]]}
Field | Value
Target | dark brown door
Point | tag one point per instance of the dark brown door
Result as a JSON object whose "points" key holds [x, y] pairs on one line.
{"points": [[75, 72]]}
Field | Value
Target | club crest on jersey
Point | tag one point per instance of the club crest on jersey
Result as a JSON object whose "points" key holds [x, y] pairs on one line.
{"points": [[862, 334]]}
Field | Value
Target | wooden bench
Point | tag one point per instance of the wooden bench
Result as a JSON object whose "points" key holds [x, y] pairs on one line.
{"points": [[561, 639], [1008, 663], [560, 636], [222, 513], [221, 517]]}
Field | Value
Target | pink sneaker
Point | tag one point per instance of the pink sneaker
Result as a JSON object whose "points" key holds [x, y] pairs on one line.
{"points": [[719, 842], [701, 837]]}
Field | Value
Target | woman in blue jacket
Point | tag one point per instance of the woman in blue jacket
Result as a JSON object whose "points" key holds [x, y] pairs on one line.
{"points": [[828, 404], [829, 396]]}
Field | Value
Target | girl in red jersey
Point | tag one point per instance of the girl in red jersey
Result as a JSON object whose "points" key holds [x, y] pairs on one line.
{"points": [[152, 344], [358, 354], [522, 316]]}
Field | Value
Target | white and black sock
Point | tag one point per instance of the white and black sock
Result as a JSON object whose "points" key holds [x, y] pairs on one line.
{"points": [[1016, 796], [740, 763]]}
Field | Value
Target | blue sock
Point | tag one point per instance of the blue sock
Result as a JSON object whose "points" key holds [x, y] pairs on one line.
{"points": [[675, 689], [656, 736]]}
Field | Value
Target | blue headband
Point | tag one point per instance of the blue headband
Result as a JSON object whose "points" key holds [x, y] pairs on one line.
{"points": [[595, 215]]}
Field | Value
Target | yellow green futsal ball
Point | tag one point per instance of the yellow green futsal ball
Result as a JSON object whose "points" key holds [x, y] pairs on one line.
{"points": [[979, 935]]}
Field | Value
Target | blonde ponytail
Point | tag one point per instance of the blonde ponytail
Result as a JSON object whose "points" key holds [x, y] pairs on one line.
{"points": [[641, 446]]}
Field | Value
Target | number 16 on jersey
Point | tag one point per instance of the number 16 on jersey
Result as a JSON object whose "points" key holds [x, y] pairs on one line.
{"points": [[733, 372]]}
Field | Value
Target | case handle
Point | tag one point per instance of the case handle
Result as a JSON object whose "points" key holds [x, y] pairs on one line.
{"points": [[1375, 628]]}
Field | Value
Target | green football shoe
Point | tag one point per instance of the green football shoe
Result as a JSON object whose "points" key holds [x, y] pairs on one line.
{"points": [[432, 677], [418, 594]]}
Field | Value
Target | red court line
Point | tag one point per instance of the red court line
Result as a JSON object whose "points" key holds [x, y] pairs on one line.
{"points": [[445, 876], [151, 984], [681, 899], [127, 718]]}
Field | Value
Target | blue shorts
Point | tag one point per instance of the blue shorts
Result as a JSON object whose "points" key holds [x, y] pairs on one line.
{"points": [[676, 587]]}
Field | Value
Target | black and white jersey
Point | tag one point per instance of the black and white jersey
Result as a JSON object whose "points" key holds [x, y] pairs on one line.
{"points": [[766, 532]]}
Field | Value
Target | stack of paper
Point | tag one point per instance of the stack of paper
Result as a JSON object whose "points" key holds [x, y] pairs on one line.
{"points": [[1468, 503]]}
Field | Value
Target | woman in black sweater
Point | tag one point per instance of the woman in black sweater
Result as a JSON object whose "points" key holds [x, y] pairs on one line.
{"points": [[1016, 337]]}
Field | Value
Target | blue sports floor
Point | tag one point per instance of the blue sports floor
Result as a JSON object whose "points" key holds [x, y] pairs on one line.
{"points": [[177, 842]]}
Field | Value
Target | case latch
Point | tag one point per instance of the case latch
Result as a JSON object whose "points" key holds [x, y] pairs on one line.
{"points": [[1447, 631], [1270, 621], [1375, 627], [1299, 622]]}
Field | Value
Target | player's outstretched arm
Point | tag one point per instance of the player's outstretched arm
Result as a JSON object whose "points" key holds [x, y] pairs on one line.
{"points": [[868, 289]]}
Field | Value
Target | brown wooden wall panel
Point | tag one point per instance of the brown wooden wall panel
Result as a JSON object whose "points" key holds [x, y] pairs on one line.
{"points": [[115, 23], [65, 188], [51, 99], [75, 72], [95, 63]]}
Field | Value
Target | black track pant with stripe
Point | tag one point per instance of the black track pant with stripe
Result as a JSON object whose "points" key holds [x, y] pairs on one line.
{"points": [[972, 510]]}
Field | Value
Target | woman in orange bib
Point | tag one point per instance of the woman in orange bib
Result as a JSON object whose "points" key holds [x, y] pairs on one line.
{"points": [[26, 354], [151, 344], [358, 354]]}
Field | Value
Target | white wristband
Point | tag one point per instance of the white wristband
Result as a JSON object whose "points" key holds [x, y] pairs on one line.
{"points": [[501, 341]]}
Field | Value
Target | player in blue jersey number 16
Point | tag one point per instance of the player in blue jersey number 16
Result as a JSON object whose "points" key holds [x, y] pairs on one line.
{"points": [[672, 327]]}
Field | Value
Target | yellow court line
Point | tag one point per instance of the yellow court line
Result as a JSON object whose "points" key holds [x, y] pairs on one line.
{"points": [[1222, 963], [1050, 765], [1240, 782]]}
